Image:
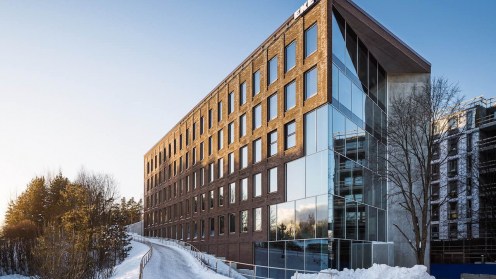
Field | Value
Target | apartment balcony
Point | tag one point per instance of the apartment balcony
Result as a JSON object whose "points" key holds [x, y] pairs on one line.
{"points": [[488, 122], [487, 144]]}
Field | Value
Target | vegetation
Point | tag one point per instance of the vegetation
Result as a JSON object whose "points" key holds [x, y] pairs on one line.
{"points": [[63, 229]]}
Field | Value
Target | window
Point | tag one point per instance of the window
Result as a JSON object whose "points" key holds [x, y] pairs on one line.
{"points": [[435, 171], [290, 131], [201, 125], [244, 189], [470, 119], [453, 188], [272, 70], [193, 131], [201, 151], [220, 167], [452, 167], [435, 212], [193, 156], [435, 191], [257, 150], [243, 154], [242, 94], [256, 83], [272, 142], [221, 225], [310, 83], [469, 142], [195, 204], [272, 107], [211, 199], [232, 223], [232, 193], [242, 125], [219, 112], [257, 117], [453, 146], [257, 185], [453, 230], [230, 131], [210, 118], [452, 123], [210, 143], [187, 139], [211, 172], [272, 179], [244, 221], [310, 40], [230, 160], [202, 177], [290, 96], [469, 186], [435, 231], [452, 210], [230, 103], [290, 56], [202, 228], [212, 226], [220, 198], [257, 215], [220, 139], [203, 201]]}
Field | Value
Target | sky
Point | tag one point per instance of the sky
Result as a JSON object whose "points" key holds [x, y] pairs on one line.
{"points": [[95, 84]]}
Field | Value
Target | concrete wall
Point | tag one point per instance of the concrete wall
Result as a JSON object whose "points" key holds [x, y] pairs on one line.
{"points": [[401, 85]]}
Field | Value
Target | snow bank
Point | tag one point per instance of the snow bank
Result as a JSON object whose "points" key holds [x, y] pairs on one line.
{"points": [[130, 267], [14, 276], [377, 271]]}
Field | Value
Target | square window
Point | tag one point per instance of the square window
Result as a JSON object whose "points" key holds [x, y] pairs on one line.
{"points": [[290, 130], [257, 150], [257, 185], [290, 56], [272, 107], [310, 83], [256, 83], [272, 70], [310, 40], [242, 94], [257, 117], [290, 96]]}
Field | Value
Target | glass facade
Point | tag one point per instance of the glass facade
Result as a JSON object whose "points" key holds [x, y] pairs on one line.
{"points": [[335, 210]]}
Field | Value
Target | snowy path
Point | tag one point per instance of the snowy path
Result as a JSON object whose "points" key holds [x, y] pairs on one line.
{"points": [[173, 262]]}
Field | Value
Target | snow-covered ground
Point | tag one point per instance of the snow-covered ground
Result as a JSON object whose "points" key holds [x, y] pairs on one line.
{"points": [[169, 261], [14, 276], [377, 271], [129, 268]]}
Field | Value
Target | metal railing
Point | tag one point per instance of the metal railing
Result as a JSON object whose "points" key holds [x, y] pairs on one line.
{"points": [[147, 256]]}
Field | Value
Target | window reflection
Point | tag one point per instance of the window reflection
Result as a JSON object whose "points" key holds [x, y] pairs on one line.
{"points": [[305, 218], [286, 221]]}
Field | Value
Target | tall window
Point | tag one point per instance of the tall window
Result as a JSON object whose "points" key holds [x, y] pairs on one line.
{"points": [[232, 193], [257, 150], [242, 125], [220, 198], [193, 156], [201, 151], [244, 189], [230, 103], [193, 131], [232, 223], [211, 172], [220, 167], [210, 118], [230, 160], [272, 70], [220, 139], [212, 226], [201, 125], [290, 56], [230, 131], [203, 201], [290, 96], [272, 143], [272, 107], [211, 199], [272, 180], [290, 131], [310, 40], [242, 94], [219, 111], [257, 185], [257, 117], [243, 157], [257, 216], [244, 221], [221, 225], [310, 83], [210, 143], [256, 83]]}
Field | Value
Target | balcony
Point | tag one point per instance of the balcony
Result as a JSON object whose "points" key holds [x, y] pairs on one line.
{"points": [[487, 143], [488, 121]]}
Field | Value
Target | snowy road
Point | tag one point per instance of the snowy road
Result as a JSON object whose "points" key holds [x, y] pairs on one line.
{"points": [[173, 262]]}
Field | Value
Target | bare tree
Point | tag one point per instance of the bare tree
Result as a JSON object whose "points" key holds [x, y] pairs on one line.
{"points": [[418, 121]]}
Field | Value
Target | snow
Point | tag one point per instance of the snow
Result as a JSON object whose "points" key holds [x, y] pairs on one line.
{"points": [[170, 261], [377, 271], [14, 276], [129, 268]]}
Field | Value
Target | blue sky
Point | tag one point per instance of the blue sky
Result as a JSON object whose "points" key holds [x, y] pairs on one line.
{"points": [[95, 84]]}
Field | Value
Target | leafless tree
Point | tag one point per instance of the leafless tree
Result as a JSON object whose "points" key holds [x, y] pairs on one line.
{"points": [[418, 121]]}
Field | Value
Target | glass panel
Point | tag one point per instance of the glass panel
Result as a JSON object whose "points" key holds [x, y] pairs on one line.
{"points": [[363, 65], [295, 179], [272, 222], [322, 127], [256, 83], [290, 96], [230, 107], [290, 130], [372, 223], [381, 87], [242, 93], [244, 189], [311, 40], [244, 156], [272, 107], [273, 180], [257, 185], [316, 174], [305, 218], [286, 220], [272, 143], [310, 132], [261, 258], [381, 225], [338, 41], [357, 102], [339, 217], [257, 151], [316, 255], [257, 216], [344, 91], [351, 220], [338, 131], [290, 56], [351, 46], [321, 220], [244, 221], [372, 77], [335, 85], [344, 254], [257, 117], [362, 221], [277, 258], [296, 256], [232, 193], [242, 125], [310, 83]]}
